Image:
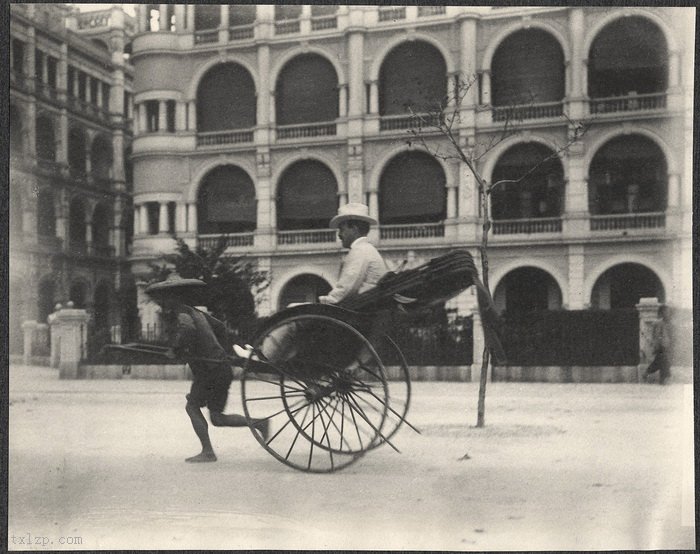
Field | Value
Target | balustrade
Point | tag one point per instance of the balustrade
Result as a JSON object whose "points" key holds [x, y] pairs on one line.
{"points": [[306, 237], [397, 122], [206, 36], [529, 111], [628, 103], [392, 13], [94, 19], [306, 130], [287, 27], [653, 220], [320, 23], [218, 138], [241, 32], [424, 11], [231, 239], [527, 226], [412, 231]]}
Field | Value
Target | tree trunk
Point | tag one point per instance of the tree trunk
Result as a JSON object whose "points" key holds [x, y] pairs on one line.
{"points": [[486, 226]]}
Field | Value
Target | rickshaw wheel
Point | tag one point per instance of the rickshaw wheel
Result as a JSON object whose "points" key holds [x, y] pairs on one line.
{"points": [[322, 388]]}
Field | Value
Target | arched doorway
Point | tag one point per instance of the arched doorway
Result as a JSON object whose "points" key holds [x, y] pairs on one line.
{"points": [[226, 202], [303, 288], [412, 77], [527, 289], [307, 196], [628, 174], [306, 91], [623, 285], [539, 194], [226, 99], [412, 190]]}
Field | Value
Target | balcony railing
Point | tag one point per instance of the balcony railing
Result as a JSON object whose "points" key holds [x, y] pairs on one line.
{"points": [[236, 240], [218, 138], [241, 32], [425, 11], [287, 27], [320, 23], [529, 111], [654, 220], [397, 122], [412, 231], [94, 19], [312, 236], [306, 130], [392, 14], [628, 103], [527, 226], [206, 36]]}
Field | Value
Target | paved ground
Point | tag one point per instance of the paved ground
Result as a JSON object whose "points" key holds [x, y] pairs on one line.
{"points": [[99, 465]]}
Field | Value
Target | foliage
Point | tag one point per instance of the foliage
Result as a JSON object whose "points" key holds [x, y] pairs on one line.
{"points": [[234, 283]]}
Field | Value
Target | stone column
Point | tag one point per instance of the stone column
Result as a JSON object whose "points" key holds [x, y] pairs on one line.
{"points": [[137, 220], [144, 219], [162, 116], [648, 309], [141, 18], [576, 268], [143, 124], [486, 87], [69, 329], [223, 24], [181, 218], [263, 104], [374, 98], [373, 203], [179, 18], [190, 16], [163, 23], [356, 84], [181, 116], [192, 123], [62, 146], [192, 217], [342, 101], [163, 218], [674, 187]]}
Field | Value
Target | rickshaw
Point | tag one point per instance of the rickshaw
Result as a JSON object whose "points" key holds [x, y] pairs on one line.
{"points": [[320, 374]]}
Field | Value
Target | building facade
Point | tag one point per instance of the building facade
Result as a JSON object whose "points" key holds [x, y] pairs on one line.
{"points": [[257, 122], [70, 183]]}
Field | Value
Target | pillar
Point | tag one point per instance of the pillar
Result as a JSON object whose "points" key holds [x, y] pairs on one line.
{"points": [[674, 74], [181, 218], [356, 84], [62, 146], [373, 98], [189, 8], [342, 101], [141, 18], [163, 218], [192, 114], [143, 125], [576, 65], [144, 219], [486, 87], [264, 103], [137, 220], [179, 18], [163, 23], [576, 271], [648, 310], [69, 330], [162, 116], [467, 64], [180, 116], [451, 200], [373, 203], [192, 217]]}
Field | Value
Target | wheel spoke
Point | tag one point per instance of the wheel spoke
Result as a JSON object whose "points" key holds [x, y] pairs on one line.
{"points": [[354, 405]]}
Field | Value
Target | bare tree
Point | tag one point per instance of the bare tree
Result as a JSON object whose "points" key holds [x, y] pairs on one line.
{"points": [[444, 120]]}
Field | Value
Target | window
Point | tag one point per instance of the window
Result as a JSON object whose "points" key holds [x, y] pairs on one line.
{"points": [[51, 65], [39, 65], [152, 116], [82, 85], [18, 55], [170, 115]]}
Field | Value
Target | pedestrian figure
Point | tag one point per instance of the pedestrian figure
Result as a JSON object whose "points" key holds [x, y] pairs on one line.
{"points": [[200, 340], [661, 341]]}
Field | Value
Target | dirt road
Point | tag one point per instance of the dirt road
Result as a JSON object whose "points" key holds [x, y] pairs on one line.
{"points": [[99, 465]]}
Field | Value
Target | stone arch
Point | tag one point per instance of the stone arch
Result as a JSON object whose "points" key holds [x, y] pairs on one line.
{"points": [[202, 70], [192, 192], [384, 159], [101, 157], [226, 98], [307, 49], [627, 12], [310, 286], [301, 155], [226, 201], [380, 56], [501, 270], [495, 42], [328, 275], [495, 154], [595, 145], [536, 289], [661, 272]]}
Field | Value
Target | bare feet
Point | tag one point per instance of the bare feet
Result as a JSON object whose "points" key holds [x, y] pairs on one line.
{"points": [[202, 457]]}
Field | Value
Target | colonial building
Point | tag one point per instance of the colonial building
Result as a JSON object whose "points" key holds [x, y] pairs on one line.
{"points": [[70, 182], [256, 122]]}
